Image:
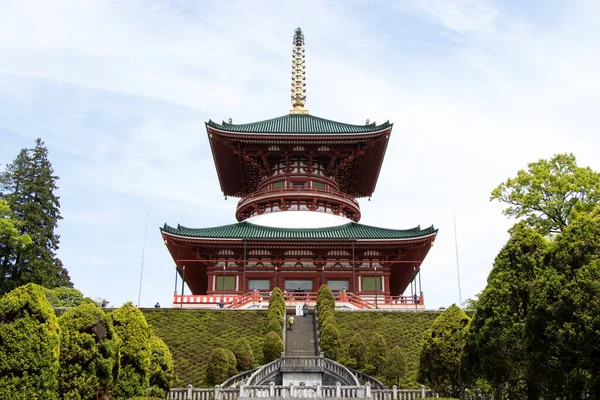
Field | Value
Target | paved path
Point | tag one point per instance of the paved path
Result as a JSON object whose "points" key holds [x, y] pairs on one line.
{"points": [[300, 341]]}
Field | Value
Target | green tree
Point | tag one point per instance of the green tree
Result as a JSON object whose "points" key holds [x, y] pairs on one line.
{"points": [[377, 354], [497, 342], [330, 339], [28, 186], [274, 325], [243, 354], [29, 345], [564, 317], [66, 297], [89, 357], [161, 368], [272, 347], [440, 362], [133, 330], [10, 239], [231, 362], [548, 192], [395, 368], [217, 370], [357, 350], [325, 299]]}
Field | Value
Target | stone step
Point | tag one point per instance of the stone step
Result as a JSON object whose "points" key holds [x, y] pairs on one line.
{"points": [[300, 341]]}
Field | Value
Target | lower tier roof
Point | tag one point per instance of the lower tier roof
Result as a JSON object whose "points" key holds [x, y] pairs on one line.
{"points": [[351, 231]]}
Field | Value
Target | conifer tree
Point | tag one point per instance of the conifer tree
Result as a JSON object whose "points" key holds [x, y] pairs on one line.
{"points": [[28, 185]]}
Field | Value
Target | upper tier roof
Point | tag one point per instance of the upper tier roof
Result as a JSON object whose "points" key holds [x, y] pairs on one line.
{"points": [[351, 231], [299, 124]]}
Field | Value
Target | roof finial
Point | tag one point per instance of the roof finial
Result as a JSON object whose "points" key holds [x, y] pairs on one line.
{"points": [[298, 75]]}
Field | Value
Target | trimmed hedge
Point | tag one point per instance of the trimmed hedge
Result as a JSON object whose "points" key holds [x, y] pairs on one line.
{"points": [[243, 354], [191, 335], [274, 325], [218, 368], [29, 345], [161, 368], [272, 347]]}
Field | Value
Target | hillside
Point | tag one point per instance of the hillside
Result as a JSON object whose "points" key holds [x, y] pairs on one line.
{"points": [[404, 329], [191, 335]]}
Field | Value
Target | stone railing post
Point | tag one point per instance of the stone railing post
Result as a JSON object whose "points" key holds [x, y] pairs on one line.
{"points": [[368, 395], [291, 390], [422, 391], [338, 390], [319, 391], [189, 392], [217, 392], [271, 389], [394, 392]]}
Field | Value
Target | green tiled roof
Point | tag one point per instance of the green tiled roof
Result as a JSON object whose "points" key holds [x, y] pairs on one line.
{"points": [[299, 123], [245, 230]]}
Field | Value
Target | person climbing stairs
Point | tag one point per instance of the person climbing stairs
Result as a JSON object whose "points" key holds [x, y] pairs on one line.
{"points": [[301, 340]]}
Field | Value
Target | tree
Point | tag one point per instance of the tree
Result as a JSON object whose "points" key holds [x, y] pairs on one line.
{"points": [[330, 339], [217, 370], [272, 347], [325, 299], [9, 234], [28, 187], [357, 350], [274, 325], [564, 317], [66, 297], [548, 192], [243, 354], [395, 368], [133, 330], [440, 361], [89, 357], [377, 354], [497, 343], [29, 345], [161, 368]]}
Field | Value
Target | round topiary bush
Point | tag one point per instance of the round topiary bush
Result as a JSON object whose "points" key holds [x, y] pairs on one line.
{"points": [[231, 362], [133, 331], [275, 325], [217, 370], [275, 313], [161, 368], [272, 347], [243, 354], [89, 356], [29, 345]]}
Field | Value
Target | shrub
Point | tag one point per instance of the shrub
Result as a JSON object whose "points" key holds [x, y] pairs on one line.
{"points": [[274, 325], [272, 347], [243, 354], [89, 357], [161, 368], [376, 354], [66, 297], [357, 349], [324, 317], [330, 339], [131, 327], [395, 368], [275, 313], [29, 345], [217, 370], [231, 363], [325, 298]]}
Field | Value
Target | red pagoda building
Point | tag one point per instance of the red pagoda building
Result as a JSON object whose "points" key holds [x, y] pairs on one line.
{"points": [[298, 178]]}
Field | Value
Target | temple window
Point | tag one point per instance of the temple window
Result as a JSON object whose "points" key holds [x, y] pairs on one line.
{"points": [[371, 283]]}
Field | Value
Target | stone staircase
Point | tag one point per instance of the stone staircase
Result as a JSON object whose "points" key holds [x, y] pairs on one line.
{"points": [[301, 341]]}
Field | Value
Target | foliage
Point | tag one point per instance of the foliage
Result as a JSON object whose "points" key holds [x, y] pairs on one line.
{"points": [[325, 299], [243, 354], [395, 368], [10, 238], [440, 365], [192, 334], [161, 368], [132, 328], [274, 325], [28, 186], [377, 354], [66, 297], [496, 347], [564, 316], [323, 317], [89, 357], [405, 330], [330, 339], [548, 192], [272, 347], [275, 313], [29, 345], [231, 362], [357, 350], [218, 369]]}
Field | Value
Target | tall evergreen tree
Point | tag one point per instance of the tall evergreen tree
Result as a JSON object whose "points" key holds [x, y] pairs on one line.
{"points": [[28, 185]]}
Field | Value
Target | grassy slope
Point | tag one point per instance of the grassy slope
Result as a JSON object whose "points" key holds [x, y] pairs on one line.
{"points": [[404, 329], [191, 335]]}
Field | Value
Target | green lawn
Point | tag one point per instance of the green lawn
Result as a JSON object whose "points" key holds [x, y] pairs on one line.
{"points": [[191, 335], [404, 329]]}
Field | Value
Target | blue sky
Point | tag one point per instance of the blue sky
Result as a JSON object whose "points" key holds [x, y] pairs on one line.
{"points": [[120, 91]]}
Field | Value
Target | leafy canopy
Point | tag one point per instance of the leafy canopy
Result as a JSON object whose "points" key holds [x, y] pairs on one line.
{"points": [[547, 194]]}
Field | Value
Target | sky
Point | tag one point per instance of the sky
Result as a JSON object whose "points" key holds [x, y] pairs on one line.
{"points": [[120, 92]]}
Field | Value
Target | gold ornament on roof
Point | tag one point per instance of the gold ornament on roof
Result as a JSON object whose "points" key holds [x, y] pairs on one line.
{"points": [[298, 75]]}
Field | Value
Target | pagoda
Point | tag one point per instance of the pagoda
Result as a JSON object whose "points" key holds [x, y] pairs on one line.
{"points": [[298, 178]]}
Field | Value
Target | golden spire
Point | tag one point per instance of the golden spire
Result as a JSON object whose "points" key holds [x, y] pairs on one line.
{"points": [[298, 75]]}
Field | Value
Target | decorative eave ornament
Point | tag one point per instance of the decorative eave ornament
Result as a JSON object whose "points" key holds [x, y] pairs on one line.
{"points": [[298, 75]]}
